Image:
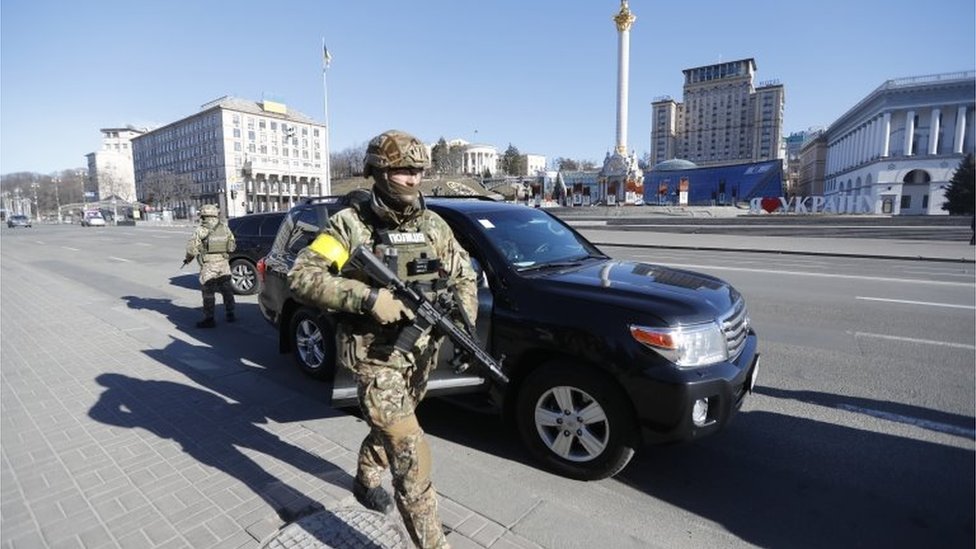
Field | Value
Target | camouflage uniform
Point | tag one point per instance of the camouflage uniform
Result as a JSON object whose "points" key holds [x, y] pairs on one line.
{"points": [[212, 258], [390, 383]]}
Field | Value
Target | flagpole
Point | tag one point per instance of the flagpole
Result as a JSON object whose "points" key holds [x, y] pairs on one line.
{"points": [[326, 58]]}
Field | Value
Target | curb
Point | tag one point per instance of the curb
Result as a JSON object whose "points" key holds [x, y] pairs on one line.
{"points": [[787, 252]]}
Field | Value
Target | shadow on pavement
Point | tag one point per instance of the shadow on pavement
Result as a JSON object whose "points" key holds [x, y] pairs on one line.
{"points": [[189, 280], [237, 361], [481, 431], [783, 481], [238, 395], [211, 429], [933, 420]]}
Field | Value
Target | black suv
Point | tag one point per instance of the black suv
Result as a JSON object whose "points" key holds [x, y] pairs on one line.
{"points": [[603, 355], [254, 234]]}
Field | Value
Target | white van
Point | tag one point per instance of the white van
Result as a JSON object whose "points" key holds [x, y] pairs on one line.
{"points": [[93, 218]]}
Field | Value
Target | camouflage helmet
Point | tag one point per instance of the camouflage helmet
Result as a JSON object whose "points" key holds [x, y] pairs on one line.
{"points": [[209, 210], [395, 149]]}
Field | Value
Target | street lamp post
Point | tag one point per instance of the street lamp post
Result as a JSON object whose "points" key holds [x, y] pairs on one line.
{"points": [[37, 209], [84, 192], [289, 137], [57, 196]]}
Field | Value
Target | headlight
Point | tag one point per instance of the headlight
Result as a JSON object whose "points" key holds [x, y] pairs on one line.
{"points": [[688, 346]]}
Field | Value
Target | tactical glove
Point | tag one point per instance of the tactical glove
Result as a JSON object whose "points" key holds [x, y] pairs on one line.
{"points": [[386, 308]]}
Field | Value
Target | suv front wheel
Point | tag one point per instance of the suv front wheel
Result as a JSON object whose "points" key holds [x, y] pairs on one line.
{"points": [[313, 343], [575, 421]]}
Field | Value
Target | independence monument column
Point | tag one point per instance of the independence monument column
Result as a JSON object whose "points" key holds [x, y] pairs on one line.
{"points": [[624, 19], [621, 177]]}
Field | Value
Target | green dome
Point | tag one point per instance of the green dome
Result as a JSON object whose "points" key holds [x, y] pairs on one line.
{"points": [[673, 165]]}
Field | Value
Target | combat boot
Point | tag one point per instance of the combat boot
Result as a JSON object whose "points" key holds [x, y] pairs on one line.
{"points": [[375, 499], [207, 323]]}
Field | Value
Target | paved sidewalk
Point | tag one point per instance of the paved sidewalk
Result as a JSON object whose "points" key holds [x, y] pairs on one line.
{"points": [[119, 430]]}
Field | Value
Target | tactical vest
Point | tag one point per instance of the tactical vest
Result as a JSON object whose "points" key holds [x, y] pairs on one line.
{"points": [[408, 252], [217, 240]]}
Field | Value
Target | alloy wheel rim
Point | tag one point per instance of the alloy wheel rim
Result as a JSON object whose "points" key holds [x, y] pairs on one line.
{"points": [[308, 339], [243, 277], [572, 424]]}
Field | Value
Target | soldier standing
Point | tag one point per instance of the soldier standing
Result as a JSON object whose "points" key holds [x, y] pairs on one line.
{"points": [[419, 246], [210, 244]]}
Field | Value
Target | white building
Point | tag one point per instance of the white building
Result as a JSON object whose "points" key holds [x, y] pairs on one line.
{"points": [[244, 155], [478, 158], [896, 150], [535, 164], [110, 169]]}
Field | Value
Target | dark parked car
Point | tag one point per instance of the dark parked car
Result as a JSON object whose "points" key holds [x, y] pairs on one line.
{"points": [[18, 221], [254, 234], [603, 355], [302, 330]]}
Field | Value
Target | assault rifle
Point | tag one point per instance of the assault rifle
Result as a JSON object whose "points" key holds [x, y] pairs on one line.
{"points": [[186, 262], [427, 316]]}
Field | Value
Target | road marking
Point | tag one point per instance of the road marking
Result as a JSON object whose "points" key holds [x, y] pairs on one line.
{"points": [[119, 259], [915, 340], [70, 248], [910, 302], [918, 422], [818, 275]]}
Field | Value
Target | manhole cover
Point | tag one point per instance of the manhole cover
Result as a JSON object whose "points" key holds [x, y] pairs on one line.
{"points": [[339, 529]]}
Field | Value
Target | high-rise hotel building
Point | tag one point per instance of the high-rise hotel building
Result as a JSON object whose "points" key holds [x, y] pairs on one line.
{"points": [[243, 155], [724, 119]]}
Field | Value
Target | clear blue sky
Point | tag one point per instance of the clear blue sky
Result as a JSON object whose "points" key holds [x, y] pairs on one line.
{"points": [[538, 74]]}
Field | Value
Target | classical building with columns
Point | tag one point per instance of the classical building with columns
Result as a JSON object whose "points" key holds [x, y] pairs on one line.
{"points": [[896, 150], [247, 156], [479, 158]]}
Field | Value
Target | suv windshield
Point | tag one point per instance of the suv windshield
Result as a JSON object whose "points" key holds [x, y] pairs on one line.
{"points": [[531, 239]]}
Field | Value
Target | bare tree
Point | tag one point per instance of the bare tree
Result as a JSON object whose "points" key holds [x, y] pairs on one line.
{"points": [[168, 191], [566, 164], [348, 162]]}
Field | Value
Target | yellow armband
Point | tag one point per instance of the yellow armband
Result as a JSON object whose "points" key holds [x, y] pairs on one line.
{"points": [[328, 247]]}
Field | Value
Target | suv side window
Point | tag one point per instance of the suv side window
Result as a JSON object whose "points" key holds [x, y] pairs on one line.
{"points": [[309, 216], [247, 225], [271, 224], [307, 224]]}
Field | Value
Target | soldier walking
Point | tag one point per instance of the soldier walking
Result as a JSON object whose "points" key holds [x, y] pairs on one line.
{"points": [[211, 245], [419, 246]]}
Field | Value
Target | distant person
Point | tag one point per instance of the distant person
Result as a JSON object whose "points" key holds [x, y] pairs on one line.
{"points": [[393, 221], [972, 239], [211, 245]]}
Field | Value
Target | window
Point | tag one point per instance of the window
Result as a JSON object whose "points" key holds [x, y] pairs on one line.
{"points": [[906, 202]]}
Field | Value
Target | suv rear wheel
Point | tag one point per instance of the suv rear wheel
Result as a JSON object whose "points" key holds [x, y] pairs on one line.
{"points": [[575, 421], [313, 343], [243, 277]]}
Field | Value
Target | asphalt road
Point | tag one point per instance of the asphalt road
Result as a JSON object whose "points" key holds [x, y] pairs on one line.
{"points": [[861, 432]]}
